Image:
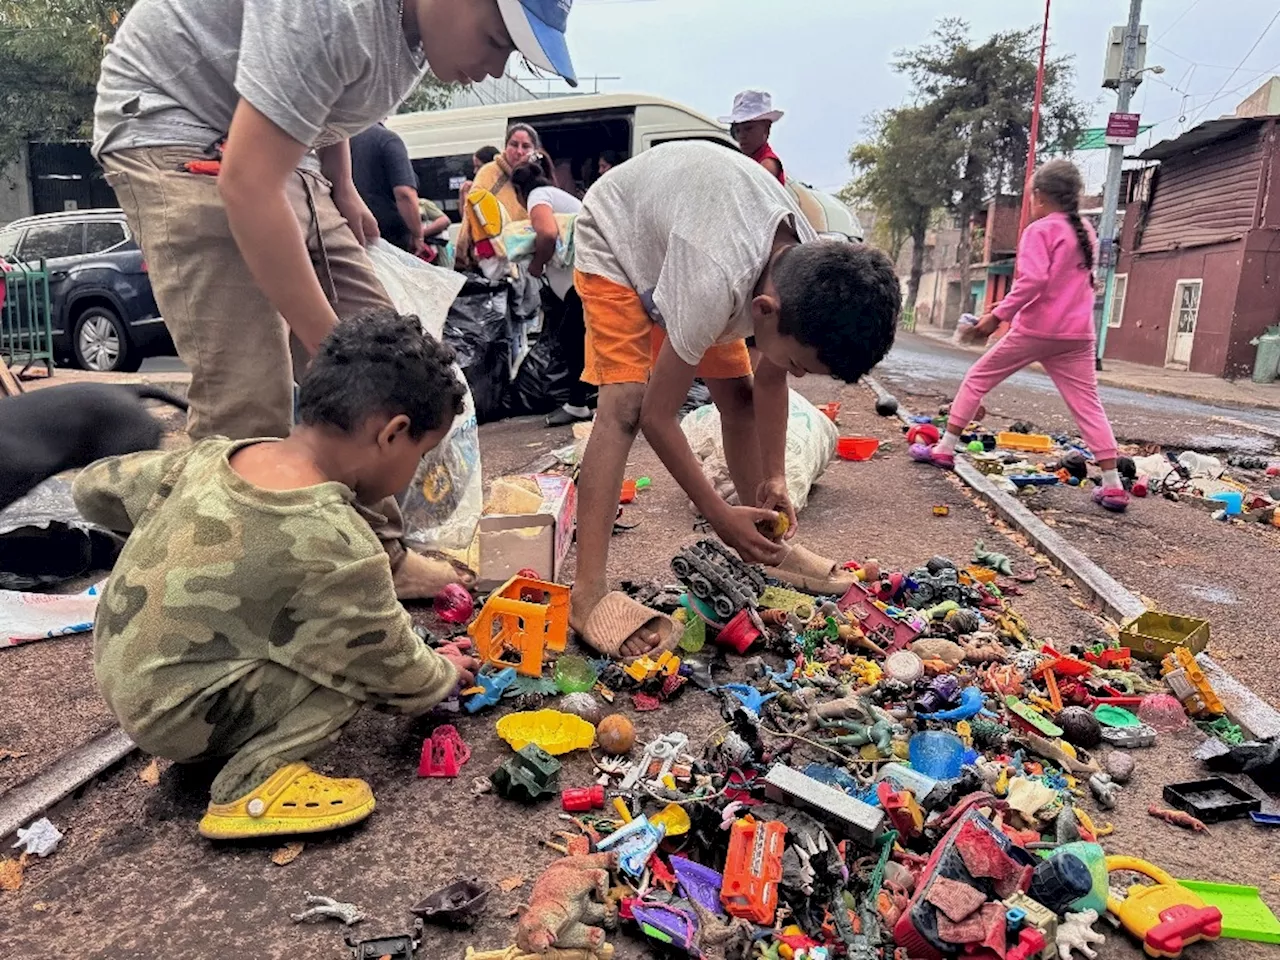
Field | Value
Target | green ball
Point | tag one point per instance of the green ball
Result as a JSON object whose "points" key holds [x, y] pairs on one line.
{"points": [[975, 446]]}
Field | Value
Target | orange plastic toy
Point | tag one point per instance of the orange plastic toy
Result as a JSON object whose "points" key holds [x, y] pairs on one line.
{"points": [[753, 870], [512, 625]]}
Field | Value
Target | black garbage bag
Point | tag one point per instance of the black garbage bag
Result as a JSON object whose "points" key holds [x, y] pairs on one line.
{"points": [[479, 331], [44, 541], [542, 382]]}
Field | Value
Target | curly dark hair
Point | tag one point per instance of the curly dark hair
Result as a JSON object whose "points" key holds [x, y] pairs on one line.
{"points": [[842, 298], [381, 362]]}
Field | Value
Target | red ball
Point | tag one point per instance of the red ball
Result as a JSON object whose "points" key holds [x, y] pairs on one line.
{"points": [[925, 433], [453, 604]]}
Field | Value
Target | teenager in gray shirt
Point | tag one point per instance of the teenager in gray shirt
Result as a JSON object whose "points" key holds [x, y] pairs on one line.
{"points": [[223, 126]]}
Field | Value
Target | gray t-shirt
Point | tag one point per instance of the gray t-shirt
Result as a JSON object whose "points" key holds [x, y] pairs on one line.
{"points": [[321, 70], [690, 227]]}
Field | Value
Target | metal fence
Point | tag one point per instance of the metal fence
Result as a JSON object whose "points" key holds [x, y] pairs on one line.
{"points": [[26, 326]]}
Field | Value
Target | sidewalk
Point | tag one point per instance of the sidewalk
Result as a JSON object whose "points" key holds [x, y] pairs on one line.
{"points": [[1156, 380], [175, 380]]}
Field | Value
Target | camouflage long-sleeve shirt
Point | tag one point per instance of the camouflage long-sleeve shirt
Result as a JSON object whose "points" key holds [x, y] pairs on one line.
{"points": [[219, 575]]}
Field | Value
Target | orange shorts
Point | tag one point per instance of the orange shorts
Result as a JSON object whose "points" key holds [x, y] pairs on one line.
{"points": [[623, 342]]}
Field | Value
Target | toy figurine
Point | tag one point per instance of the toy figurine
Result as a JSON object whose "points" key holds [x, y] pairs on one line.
{"points": [[326, 908], [1178, 818], [1077, 933], [565, 904]]}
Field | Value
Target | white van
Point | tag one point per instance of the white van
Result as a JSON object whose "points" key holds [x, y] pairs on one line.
{"points": [[577, 130]]}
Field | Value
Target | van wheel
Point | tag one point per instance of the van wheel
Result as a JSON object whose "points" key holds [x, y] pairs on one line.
{"points": [[101, 343]]}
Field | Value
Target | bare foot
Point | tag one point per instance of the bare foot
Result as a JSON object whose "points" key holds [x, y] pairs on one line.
{"points": [[583, 602]]}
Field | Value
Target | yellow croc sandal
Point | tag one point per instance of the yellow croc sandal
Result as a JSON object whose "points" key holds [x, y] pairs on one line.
{"points": [[294, 799]]}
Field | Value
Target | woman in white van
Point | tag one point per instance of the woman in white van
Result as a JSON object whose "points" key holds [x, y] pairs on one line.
{"points": [[535, 184], [495, 176]]}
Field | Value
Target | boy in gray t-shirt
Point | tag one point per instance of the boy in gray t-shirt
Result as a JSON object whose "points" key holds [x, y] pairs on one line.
{"points": [[223, 126]]}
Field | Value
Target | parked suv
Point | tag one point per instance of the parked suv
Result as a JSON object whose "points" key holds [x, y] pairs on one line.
{"points": [[104, 316]]}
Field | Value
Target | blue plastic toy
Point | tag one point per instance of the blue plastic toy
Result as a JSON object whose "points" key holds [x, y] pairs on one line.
{"points": [[970, 706], [495, 685], [751, 698]]}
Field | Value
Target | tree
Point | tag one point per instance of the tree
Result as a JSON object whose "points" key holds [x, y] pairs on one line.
{"points": [[904, 171], [979, 97], [50, 52], [429, 94]]}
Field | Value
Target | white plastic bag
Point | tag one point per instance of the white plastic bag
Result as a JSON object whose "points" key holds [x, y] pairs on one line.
{"points": [[37, 616], [443, 504], [811, 443]]}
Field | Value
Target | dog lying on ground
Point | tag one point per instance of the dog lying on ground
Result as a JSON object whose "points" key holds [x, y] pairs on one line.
{"points": [[45, 432]]}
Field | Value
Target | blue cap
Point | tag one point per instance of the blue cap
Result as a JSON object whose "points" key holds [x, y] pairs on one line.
{"points": [[537, 29]]}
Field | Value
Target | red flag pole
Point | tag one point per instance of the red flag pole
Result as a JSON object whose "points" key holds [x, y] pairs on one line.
{"points": [[1035, 125]]}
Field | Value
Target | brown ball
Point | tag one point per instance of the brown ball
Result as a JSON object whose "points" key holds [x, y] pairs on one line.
{"points": [[1080, 727], [616, 735]]}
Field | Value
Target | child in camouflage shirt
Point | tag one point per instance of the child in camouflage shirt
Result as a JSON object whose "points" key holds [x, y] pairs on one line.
{"points": [[252, 611]]}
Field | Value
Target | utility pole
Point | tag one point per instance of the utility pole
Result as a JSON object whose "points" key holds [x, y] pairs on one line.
{"points": [[1034, 134], [1129, 80]]}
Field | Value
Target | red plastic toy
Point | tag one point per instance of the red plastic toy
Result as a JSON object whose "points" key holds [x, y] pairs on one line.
{"points": [[582, 800], [739, 633], [443, 753], [901, 808], [753, 869]]}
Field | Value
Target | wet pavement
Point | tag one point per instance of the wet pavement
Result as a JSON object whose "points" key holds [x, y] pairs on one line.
{"points": [[929, 368]]}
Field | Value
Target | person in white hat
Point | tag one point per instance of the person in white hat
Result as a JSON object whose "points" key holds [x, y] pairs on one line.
{"points": [[750, 123]]}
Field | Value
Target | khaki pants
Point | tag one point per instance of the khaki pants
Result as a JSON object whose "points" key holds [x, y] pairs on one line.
{"points": [[242, 357]]}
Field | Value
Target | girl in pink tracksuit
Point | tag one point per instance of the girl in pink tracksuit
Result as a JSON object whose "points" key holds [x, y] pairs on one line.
{"points": [[1051, 312]]}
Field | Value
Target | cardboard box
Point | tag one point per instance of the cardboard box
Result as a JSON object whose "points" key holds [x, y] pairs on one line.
{"points": [[538, 538]]}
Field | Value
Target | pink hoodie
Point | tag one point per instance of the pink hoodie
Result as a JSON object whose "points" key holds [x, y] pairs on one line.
{"points": [[1053, 293]]}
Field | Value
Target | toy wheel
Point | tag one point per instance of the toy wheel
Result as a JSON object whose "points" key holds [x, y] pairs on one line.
{"points": [[724, 608], [700, 586], [680, 567]]}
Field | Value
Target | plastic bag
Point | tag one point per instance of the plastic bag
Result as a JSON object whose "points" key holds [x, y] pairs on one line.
{"points": [[543, 382], [443, 504], [477, 329], [811, 443]]}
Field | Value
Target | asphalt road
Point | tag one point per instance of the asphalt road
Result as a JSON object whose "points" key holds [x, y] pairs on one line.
{"points": [[927, 368]]}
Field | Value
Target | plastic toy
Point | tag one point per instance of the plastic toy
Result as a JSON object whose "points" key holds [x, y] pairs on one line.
{"points": [[1244, 915], [1189, 684], [582, 705], [750, 698], [400, 947], [604, 952], [1080, 727], [1031, 718], [1165, 916], [1060, 881], [1154, 635], [1211, 800], [646, 668], [673, 819], [551, 730], [575, 674], [511, 625], [456, 904], [971, 704], [566, 902], [901, 808], [843, 815], [633, 844], [443, 753], [1027, 442], [857, 448], [453, 604], [1162, 712], [739, 633], [580, 800], [492, 687], [326, 908], [1113, 716], [753, 869], [887, 633], [664, 750], [1129, 737], [529, 776], [718, 578], [1076, 935], [616, 735]]}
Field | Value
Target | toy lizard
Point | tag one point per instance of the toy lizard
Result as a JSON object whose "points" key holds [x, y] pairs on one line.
{"points": [[565, 904], [326, 908], [1178, 818]]}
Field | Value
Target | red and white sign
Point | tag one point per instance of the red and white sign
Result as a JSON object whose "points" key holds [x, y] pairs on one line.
{"points": [[1122, 129]]}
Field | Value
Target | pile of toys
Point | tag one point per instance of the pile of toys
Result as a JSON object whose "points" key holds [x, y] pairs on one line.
{"points": [[902, 771]]}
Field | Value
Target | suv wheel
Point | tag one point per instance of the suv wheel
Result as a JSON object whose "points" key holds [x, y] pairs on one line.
{"points": [[101, 343]]}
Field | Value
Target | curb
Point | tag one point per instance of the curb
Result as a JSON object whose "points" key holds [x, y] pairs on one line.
{"points": [[1111, 381], [1100, 587]]}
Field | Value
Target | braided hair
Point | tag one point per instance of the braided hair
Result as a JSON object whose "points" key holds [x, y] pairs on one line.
{"points": [[1059, 182]]}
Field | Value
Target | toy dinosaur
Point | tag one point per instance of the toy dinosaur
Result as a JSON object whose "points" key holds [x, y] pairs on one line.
{"points": [[998, 562], [565, 904], [515, 953], [846, 708], [1077, 933], [715, 938], [326, 908]]}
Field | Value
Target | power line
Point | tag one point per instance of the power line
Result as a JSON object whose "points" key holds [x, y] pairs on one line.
{"points": [[1275, 16], [1177, 20]]}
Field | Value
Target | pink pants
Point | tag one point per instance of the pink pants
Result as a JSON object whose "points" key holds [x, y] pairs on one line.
{"points": [[1069, 364]]}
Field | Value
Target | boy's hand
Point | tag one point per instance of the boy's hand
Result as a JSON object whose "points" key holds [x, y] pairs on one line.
{"points": [[357, 214], [466, 665], [773, 495], [736, 526]]}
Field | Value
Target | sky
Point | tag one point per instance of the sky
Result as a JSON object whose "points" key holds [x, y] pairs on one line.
{"points": [[828, 63]]}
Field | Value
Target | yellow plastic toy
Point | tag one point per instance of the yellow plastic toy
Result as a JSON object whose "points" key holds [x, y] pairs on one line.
{"points": [[1165, 916], [510, 625], [1028, 442], [674, 818], [1189, 684], [553, 731], [646, 668]]}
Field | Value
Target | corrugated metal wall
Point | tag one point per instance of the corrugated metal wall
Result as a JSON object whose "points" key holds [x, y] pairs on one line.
{"points": [[1205, 197]]}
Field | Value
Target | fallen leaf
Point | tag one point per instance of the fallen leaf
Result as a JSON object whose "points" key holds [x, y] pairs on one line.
{"points": [[150, 774], [288, 853], [39, 906], [11, 872], [507, 884], [11, 754]]}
